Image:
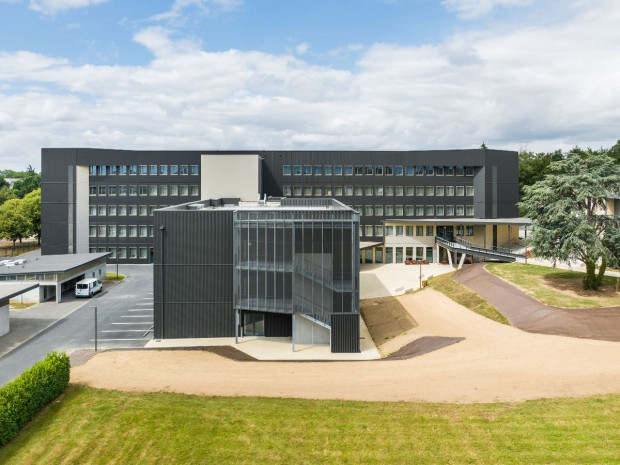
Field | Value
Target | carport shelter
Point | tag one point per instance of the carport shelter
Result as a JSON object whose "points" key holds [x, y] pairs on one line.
{"points": [[55, 274], [7, 292]]}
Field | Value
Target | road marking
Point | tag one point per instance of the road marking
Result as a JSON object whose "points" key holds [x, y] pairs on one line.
{"points": [[136, 316], [125, 331], [136, 323], [140, 309], [147, 298], [146, 303], [125, 339]]}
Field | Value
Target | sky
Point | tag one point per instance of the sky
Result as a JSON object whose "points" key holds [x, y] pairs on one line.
{"points": [[537, 75]]}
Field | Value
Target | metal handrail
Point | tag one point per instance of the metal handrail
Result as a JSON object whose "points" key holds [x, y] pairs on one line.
{"points": [[466, 245]]}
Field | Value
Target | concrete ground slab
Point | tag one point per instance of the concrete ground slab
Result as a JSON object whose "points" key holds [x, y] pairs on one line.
{"points": [[382, 280]]}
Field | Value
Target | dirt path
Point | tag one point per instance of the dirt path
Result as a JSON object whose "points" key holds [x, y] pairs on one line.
{"points": [[493, 363], [528, 314]]}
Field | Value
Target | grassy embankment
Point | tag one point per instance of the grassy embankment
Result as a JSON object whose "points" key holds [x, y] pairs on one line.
{"points": [[114, 277], [556, 287], [469, 299], [95, 426]]}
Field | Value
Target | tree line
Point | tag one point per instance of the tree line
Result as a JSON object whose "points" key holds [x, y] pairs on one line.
{"points": [[20, 205]]}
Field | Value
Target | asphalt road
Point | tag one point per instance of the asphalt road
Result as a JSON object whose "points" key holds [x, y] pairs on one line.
{"points": [[124, 320]]}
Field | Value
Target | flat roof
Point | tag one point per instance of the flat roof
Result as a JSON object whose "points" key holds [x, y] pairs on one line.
{"points": [[40, 264], [271, 204], [8, 291], [497, 221], [366, 244]]}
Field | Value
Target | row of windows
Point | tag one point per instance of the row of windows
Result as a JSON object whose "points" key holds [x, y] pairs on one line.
{"points": [[415, 210], [143, 189], [120, 230], [123, 210], [141, 253], [150, 170], [376, 170], [420, 231], [377, 191]]}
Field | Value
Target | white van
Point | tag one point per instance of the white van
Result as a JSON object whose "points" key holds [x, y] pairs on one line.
{"points": [[88, 287]]}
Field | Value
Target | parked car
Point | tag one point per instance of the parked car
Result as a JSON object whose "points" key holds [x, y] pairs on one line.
{"points": [[88, 287]]}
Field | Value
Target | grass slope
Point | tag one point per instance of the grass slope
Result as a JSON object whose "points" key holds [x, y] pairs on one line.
{"points": [[556, 287], [89, 426], [469, 299]]}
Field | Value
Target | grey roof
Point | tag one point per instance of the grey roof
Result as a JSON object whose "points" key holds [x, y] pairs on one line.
{"points": [[272, 204], [8, 291], [37, 263], [491, 221]]}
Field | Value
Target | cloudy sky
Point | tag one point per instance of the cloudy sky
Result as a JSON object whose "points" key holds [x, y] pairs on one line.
{"points": [[307, 74]]}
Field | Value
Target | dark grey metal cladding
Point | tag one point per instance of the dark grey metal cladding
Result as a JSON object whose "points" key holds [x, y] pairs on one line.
{"points": [[345, 333], [193, 274], [278, 325]]}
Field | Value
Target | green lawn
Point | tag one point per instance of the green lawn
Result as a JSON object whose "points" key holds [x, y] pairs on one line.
{"points": [[469, 299], [114, 277], [87, 426], [559, 288]]}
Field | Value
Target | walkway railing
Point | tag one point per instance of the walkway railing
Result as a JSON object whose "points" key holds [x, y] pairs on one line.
{"points": [[474, 249]]}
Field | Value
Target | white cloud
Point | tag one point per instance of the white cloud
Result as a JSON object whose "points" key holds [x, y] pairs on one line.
{"points": [[302, 48], [54, 6], [544, 88], [471, 9], [178, 11]]}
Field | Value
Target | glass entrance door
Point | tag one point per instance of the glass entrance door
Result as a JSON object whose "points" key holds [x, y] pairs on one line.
{"points": [[399, 255], [253, 324]]}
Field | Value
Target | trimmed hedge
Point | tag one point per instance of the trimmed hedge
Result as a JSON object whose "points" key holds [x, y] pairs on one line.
{"points": [[21, 399]]}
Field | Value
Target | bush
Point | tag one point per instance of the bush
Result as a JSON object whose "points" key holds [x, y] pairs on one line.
{"points": [[22, 398]]}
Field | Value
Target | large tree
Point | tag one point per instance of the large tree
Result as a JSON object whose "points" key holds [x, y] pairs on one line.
{"points": [[31, 180], [30, 208], [13, 224], [569, 213]]}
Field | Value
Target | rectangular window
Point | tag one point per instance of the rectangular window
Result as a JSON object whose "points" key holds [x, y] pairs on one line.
{"points": [[163, 170], [101, 230], [112, 251], [399, 230], [153, 170], [450, 191], [409, 231], [318, 191], [122, 210], [92, 231], [111, 190], [101, 170], [103, 190], [338, 191], [439, 191], [399, 191], [92, 210], [368, 230], [449, 170], [183, 190], [122, 231], [469, 171], [143, 190], [143, 230], [143, 170], [151, 228], [133, 170], [133, 231], [389, 170], [337, 170], [193, 190], [459, 230], [439, 210], [359, 191], [419, 210], [133, 253], [297, 170], [429, 191], [430, 170], [409, 210], [143, 253], [469, 230], [368, 170], [328, 191], [419, 170], [368, 210], [409, 170], [398, 171], [439, 170], [379, 231], [419, 230], [163, 189], [359, 170], [328, 170], [469, 210], [92, 170], [318, 170], [348, 191], [389, 191], [419, 191], [379, 191], [389, 210], [378, 210], [92, 190], [122, 170], [133, 190], [297, 191], [389, 231], [379, 170], [174, 190], [286, 191], [133, 210], [307, 170], [398, 210], [101, 210], [429, 210], [183, 170], [360, 210], [460, 210], [409, 191], [112, 230], [153, 190], [368, 191], [122, 190], [194, 170], [348, 170], [460, 190], [122, 252], [112, 210], [449, 210], [460, 171], [143, 210], [469, 191], [112, 170], [307, 191], [430, 230], [174, 170]]}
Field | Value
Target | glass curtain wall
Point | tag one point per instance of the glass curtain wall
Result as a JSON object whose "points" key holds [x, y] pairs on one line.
{"points": [[297, 262]]}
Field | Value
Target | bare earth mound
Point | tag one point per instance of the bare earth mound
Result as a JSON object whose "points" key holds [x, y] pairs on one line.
{"points": [[385, 318], [495, 362]]}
